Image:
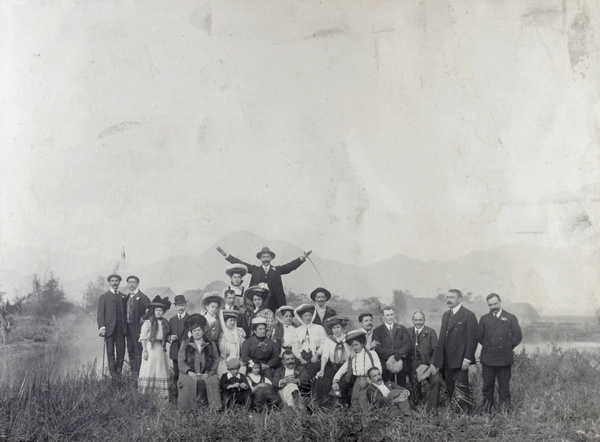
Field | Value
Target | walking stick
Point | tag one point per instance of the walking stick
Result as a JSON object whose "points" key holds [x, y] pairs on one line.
{"points": [[317, 270], [103, 353]]}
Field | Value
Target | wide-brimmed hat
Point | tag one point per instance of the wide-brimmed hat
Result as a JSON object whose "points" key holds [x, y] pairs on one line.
{"points": [[227, 313], [423, 372], [256, 290], [393, 365], [114, 275], [236, 268], [326, 292], [336, 320], [134, 277], [159, 302], [398, 395], [195, 320], [281, 310], [265, 250], [354, 334], [179, 299], [303, 308], [233, 363], [212, 297]]}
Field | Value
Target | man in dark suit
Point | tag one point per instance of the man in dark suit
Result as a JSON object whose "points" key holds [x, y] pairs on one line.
{"points": [[320, 296], [268, 274], [498, 333], [112, 323], [178, 332], [393, 349], [424, 343], [456, 348], [137, 305]]}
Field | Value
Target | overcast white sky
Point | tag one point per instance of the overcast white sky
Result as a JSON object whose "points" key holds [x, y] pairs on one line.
{"points": [[358, 129]]}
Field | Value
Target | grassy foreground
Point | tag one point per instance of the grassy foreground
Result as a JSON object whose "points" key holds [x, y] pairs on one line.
{"points": [[556, 397]]}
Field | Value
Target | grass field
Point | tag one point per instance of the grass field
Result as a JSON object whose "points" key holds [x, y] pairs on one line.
{"points": [[556, 396]]}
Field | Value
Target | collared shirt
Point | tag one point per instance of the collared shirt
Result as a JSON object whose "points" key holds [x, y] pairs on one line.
{"points": [[385, 391], [288, 372], [418, 330], [498, 314], [266, 268], [135, 292], [456, 309], [389, 326]]}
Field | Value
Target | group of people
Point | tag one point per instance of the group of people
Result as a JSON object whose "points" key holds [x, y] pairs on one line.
{"points": [[248, 347]]}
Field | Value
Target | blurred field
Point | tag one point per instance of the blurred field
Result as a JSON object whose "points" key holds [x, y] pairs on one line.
{"points": [[556, 396]]}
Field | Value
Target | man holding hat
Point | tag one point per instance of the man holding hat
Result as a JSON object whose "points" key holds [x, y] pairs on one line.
{"points": [[267, 274], [386, 394], [137, 305], [178, 332], [394, 348], [320, 296], [112, 323]]}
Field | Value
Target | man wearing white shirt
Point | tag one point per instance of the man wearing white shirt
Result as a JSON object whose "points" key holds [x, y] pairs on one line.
{"points": [[137, 305], [178, 332], [456, 348], [112, 324]]}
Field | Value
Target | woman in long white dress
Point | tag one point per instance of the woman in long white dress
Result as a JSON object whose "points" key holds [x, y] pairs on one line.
{"points": [[230, 340], [154, 373]]}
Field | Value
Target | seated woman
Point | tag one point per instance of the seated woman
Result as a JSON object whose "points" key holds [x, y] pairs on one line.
{"points": [[154, 373], [198, 383], [263, 393], [353, 372], [230, 340], [261, 348], [211, 303], [285, 329], [258, 295], [334, 353], [308, 339]]}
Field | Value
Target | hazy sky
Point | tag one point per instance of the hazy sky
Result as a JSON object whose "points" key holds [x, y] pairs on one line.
{"points": [[358, 129]]}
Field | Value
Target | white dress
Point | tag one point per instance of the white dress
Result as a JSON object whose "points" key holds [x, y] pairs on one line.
{"points": [[154, 374]]}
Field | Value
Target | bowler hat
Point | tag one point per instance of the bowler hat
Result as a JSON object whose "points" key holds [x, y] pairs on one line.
{"points": [[326, 292], [179, 299], [265, 250], [114, 275], [134, 277], [236, 268]]}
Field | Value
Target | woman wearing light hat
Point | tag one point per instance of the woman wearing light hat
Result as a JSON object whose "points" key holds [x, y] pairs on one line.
{"points": [[308, 339], [335, 351], [154, 375], [231, 338]]}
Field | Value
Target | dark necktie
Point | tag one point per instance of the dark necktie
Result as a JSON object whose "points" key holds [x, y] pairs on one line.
{"points": [[451, 313]]}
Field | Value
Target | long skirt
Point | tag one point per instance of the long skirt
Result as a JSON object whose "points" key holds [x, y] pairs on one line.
{"points": [[201, 392], [154, 374]]}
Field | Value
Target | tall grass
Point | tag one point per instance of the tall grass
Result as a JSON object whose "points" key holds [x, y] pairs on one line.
{"points": [[556, 397]]}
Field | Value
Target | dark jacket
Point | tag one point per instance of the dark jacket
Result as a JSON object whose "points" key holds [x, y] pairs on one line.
{"points": [[427, 343], [178, 329], [107, 312], [272, 279], [300, 373], [252, 348], [396, 344], [140, 305], [200, 359], [329, 313], [458, 339], [498, 337], [226, 381]]}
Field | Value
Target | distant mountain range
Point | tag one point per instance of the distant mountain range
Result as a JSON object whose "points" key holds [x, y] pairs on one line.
{"points": [[553, 280]]}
